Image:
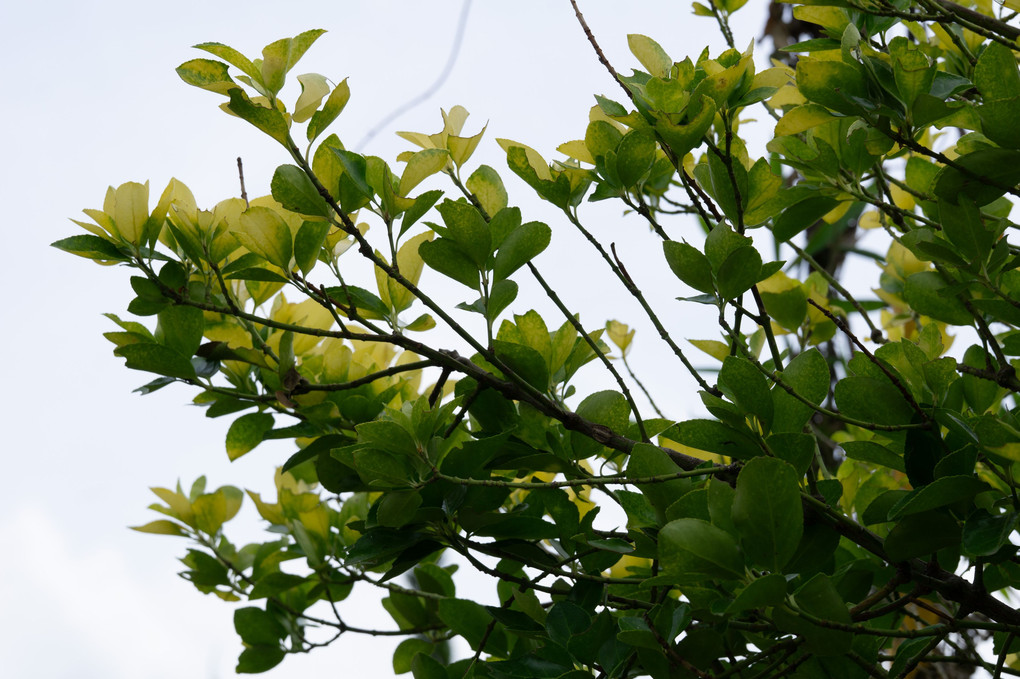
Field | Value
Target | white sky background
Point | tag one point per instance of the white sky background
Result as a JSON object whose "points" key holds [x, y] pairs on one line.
{"points": [[91, 99]]}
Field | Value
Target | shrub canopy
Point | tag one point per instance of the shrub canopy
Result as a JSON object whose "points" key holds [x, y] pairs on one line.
{"points": [[843, 508]]}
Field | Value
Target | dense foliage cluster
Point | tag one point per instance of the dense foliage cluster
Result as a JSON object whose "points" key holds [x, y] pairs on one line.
{"points": [[845, 506]]}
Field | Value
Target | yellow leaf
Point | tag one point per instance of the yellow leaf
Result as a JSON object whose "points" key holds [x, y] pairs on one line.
{"points": [[461, 148], [802, 118], [693, 452], [836, 213], [316, 521], [313, 88], [778, 283], [421, 165], [620, 335], [901, 198], [596, 113], [272, 513], [210, 512], [263, 231], [777, 76], [576, 149], [628, 563], [535, 158], [788, 95], [309, 314], [650, 54], [714, 348], [870, 220], [102, 219], [160, 527], [453, 122], [418, 139], [413, 379], [131, 210], [901, 262], [178, 504]]}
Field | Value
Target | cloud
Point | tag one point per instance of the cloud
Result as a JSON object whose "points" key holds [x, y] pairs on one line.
{"points": [[87, 612]]}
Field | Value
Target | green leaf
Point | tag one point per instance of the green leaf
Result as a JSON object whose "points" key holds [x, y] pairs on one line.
{"points": [[157, 359], [713, 436], [684, 138], [740, 380], [92, 247], [180, 328], [396, 509], [335, 104], [422, 204], [264, 232], [801, 215], [738, 272], [256, 626], [721, 242], [996, 74], [872, 400], [355, 172], [648, 460], [808, 375], [963, 226], [802, 118], [978, 175], [985, 534], [767, 512], [689, 265], [308, 244], [923, 291], [650, 54], [911, 70], [207, 74], [796, 448], [256, 273], [788, 308], [874, 453], [819, 598], [694, 550], [832, 84], [232, 57], [519, 247], [939, 493], [919, 535], [608, 408], [762, 196], [466, 227], [269, 120], [766, 591], [487, 186], [634, 157], [447, 257], [246, 432], [527, 363], [601, 137], [555, 190], [426, 667], [258, 659], [404, 655], [420, 166], [724, 187], [293, 190], [469, 620], [500, 297]]}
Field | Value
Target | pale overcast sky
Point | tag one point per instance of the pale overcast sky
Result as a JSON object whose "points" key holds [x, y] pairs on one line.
{"points": [[91, 99]]}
